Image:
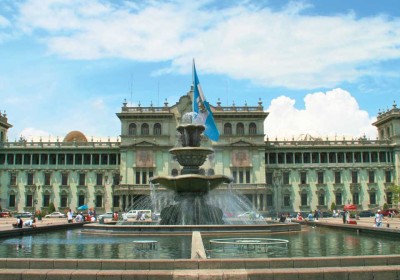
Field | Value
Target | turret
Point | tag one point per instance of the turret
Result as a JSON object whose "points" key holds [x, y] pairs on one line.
{"points": [[4, 126]]}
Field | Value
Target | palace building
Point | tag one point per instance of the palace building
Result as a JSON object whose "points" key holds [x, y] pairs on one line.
{"points": [[276, 176]]}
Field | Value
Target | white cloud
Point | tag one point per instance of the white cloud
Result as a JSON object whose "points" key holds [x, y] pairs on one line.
{"points": [[330, 114], [274, 48]]}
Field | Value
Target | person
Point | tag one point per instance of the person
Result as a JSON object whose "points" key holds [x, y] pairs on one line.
{"points": [[125, 217], [316, 215], [19, 223], [69, 216], [334, 213], [310, 217], [79, 218], [344, 214], [299, 217], [378, 219], [115, 217], [30, 222], [347, 217]]}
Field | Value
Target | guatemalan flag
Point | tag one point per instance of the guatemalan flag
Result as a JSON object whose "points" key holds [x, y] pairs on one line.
{"points": [[202, 108]]}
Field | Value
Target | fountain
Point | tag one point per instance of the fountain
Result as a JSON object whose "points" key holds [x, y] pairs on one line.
{"points": [[190, 188]]}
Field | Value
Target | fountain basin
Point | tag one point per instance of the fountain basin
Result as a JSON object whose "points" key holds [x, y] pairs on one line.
{"points": [[191, 182]]}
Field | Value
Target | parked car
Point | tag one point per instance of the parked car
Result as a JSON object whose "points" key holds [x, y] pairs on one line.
{"points": [[250, 215], [24, 214], [108, 215], [134, 213], [5, 214], [55, 215], [388, 211], [366, 213]]}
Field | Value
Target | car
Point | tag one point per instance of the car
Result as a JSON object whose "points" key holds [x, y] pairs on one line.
{"points": [[250, 215], [5, 214], [134, 213], [55, 215], [24, 214], [366, 213], [108, 215], [388, 211]]}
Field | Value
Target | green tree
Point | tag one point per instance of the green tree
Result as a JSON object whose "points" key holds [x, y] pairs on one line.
{"points": [[333, 206], [395, 190], [52, 208]]}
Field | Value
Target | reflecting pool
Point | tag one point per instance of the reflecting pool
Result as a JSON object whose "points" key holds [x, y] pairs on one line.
{"points": [[311, 242]]}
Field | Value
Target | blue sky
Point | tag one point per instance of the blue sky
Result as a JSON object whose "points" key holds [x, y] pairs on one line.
{"points": [[322, 68]]}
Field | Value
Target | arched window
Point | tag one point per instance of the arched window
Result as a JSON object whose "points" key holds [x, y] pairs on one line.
{"points": [[387, 132], [174, 172], [145, 129], [132, 129], [252, 128], [240, 129], [157, 129], [227, 129]]}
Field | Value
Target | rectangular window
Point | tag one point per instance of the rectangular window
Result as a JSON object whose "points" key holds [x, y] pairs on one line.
{"points": [[64, 179], [388, 176], [356, 198], [338, 198], [99, 179], [29, 200], [47, 177], [116, 200], [320, 176], [268, 178], [29, 180], [372, 198], [286, 178], [81, 200], [303, 178], [64, 200], [338, 179], [99, 201], [137, 181], [270, 200], [11, 200], [286, 200], [82, 179], [354, 177], [371, 176], [247, 177], [13, 179], [46, 200], [241, 177], [304, 199], [144, 177], [234, 175]]}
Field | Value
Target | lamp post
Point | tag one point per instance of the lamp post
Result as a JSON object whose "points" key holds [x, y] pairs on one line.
{"points": [[277, 182]]}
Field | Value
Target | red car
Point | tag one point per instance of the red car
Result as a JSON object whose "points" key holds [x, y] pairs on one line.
{"points": [[388, 211], [5, 214]]}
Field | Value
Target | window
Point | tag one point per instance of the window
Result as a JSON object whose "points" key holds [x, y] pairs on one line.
{"points": [[338, 179], [64, 200], [338, 198], [304, 199], [321, 199], [286, 200], [389, 198], [82, 179], [81, 200], [252, 128], [29, 180], [286, 178], [270, 200], [227, 129], [174, 172], [372, 198], [320, 178], [11, 200], [145, 129], [137, 181], [47, 179], [268, 178], [388, 176], [99, 179], [64, 179], [157, 129], [132, 129], [144, 177], [99, 201], [13, 179], [46, 200], [116, 200], [371, 177], [354, 177], [240, 129], [29, 200], [356, 198], [303, 178]]}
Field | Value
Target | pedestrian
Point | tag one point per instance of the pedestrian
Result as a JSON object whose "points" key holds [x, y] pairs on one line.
{"points": [[378, 219], [344, 216], [69, 216], [316, 215]]}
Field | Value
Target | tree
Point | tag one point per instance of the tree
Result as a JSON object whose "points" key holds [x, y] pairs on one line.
{"points": [[333, 206], [395, 190], [52, 208]]}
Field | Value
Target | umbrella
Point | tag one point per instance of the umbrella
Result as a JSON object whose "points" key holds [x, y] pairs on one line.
{"points": [[83, 207], [350, 207]]}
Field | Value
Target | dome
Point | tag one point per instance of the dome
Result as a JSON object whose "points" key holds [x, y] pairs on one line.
{"points": [[75, 136]]}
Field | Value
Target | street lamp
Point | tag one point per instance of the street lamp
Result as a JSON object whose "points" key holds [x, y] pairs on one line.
{"points": [[277, 182]]}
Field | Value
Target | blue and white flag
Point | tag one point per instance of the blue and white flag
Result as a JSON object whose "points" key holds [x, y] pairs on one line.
{"points": [[202, 108]]}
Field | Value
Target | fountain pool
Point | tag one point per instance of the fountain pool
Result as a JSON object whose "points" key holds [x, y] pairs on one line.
{"points": [[311, 242]]}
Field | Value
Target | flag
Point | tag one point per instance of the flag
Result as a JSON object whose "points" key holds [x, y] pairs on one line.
{"points": [[203, 109]]}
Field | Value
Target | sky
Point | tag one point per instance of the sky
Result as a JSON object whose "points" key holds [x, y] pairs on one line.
{"points": [[322, 68]]}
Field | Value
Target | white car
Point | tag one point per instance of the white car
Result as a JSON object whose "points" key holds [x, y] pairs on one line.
{"points": [[134, 213], [108, 215], [250, 215], [55, 215]]}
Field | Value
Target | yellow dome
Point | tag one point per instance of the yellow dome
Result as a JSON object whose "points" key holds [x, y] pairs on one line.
{"points": [[76, 136]]}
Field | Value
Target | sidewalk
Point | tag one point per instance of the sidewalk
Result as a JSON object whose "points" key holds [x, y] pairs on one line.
{"points": [[394, 223], [6, 223]]}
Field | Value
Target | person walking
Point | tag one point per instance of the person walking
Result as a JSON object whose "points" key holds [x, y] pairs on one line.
{"points": [[69, 216], [378, 219], [344, 214]]}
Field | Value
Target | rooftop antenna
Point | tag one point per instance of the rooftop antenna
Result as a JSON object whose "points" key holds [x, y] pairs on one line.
{"points": [[158, 94], [131, 87]]}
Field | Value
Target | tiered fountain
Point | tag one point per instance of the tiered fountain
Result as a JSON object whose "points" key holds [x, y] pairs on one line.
{"points": [[190, 188]]}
